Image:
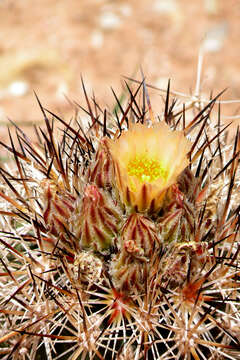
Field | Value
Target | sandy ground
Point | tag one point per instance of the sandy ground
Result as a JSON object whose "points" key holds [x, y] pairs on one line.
{"points": [[47, 45]]}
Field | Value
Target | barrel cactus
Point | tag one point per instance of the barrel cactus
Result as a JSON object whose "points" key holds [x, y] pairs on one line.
{"points": [[121, 239]]}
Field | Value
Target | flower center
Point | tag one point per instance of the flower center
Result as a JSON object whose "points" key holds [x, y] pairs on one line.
{"points": [[146, 169]]}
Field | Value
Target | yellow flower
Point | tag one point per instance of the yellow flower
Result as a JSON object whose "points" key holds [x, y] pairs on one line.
{"points": [[147, 161]]}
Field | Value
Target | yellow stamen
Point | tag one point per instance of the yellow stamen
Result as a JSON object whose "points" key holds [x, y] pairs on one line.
{"points": [[146, 169]]}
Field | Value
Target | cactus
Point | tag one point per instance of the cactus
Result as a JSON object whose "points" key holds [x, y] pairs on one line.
{"points": [[121, 241]]}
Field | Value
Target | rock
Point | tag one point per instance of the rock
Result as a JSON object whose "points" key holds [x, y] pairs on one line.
{"points": [[97, 39], [17, 88], [109, 21]]}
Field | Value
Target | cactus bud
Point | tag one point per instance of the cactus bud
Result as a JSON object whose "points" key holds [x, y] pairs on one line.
{"points": [[98, 220]]}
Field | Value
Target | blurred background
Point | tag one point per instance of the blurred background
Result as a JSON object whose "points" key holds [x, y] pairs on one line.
{"points": [[47, 45]]}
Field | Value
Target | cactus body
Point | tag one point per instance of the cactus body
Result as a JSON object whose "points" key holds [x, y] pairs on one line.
{"points": [[122, 242]]}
